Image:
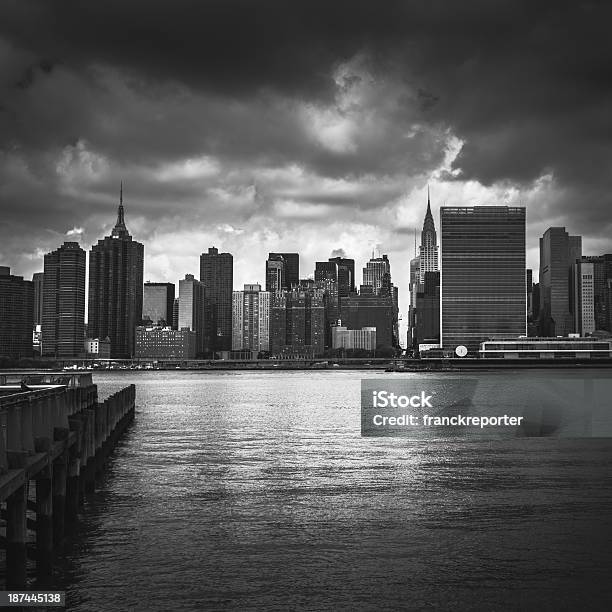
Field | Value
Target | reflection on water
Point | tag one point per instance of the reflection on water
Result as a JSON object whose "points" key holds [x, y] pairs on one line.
{"points": [[256, 491]]}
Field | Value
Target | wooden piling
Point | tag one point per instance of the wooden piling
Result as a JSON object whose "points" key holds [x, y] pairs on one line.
{"points": [[16, 553], [44, 521], [60, 472]]}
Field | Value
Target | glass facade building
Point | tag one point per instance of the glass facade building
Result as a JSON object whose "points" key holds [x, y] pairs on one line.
{"points": [[158, 303], [483, 275], [558, 253]]}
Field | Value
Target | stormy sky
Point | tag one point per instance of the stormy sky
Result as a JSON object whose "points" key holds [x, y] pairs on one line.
{"points": [[297, 126]]}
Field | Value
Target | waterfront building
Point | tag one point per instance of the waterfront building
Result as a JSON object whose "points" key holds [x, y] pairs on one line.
{"points": [[546, 348], [427, 311], [367, 309], [584, 297], [217, 276], [116, 267], [158, 303], [192, 313], [592, 276], [251, 319], [297, 322], [482, 275], [63, 320], [16, 315], [97, 348], [350, 339], [159, 342], [558, 253]]}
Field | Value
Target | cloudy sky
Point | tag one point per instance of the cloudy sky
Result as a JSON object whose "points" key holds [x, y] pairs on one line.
{"points": [[293, 125]]}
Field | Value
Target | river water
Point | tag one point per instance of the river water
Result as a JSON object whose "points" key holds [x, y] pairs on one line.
{"points": [[256, 491]]}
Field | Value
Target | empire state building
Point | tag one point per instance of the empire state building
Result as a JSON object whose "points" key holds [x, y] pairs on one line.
{"points": [[116, 269]]}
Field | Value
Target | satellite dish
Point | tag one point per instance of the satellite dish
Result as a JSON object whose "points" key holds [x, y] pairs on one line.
{"points": [[461, 351]]}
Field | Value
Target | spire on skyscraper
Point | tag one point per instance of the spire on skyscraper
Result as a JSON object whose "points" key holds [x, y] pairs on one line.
{"points": [[120, 231], [428, 252]]}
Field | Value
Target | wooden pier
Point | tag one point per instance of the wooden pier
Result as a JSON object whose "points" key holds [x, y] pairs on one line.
{"points": [[55, 439]]}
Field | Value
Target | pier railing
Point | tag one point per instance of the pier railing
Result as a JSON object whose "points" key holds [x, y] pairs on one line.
{"points": [[55, 439]]}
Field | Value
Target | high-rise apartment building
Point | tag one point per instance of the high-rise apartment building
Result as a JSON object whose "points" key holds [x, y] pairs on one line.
{"points": [[192, 311], [116, 267], [217, 276], [592, 276], [558, 253], [483, 275], [158, 303], [63, 322], [297, 322], [251, 319], [16, 315], [584, 297]]}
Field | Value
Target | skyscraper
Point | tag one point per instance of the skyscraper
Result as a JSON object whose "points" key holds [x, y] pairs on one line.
{"points": [[428, 251], [116, 267], [584, 297], [591, 276], [275, 275], [346, 275], [37, 282], [158, 303], [427, 311], [217, 276], [377, 274], [251, 319], [297, 322], [558, 253], [483, 275], [375, 270], [16, 315], [426, 262], [192, 311], [63, 323], [283, 268]]}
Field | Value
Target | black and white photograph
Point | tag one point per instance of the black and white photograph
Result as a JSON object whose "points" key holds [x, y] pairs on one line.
{"points": [[305, 305]]}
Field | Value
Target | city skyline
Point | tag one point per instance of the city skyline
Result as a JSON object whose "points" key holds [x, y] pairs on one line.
{"points": [[403, 285]]}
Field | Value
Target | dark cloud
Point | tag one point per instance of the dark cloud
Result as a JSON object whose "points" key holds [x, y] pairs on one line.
{"points": [[229, 110]]}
